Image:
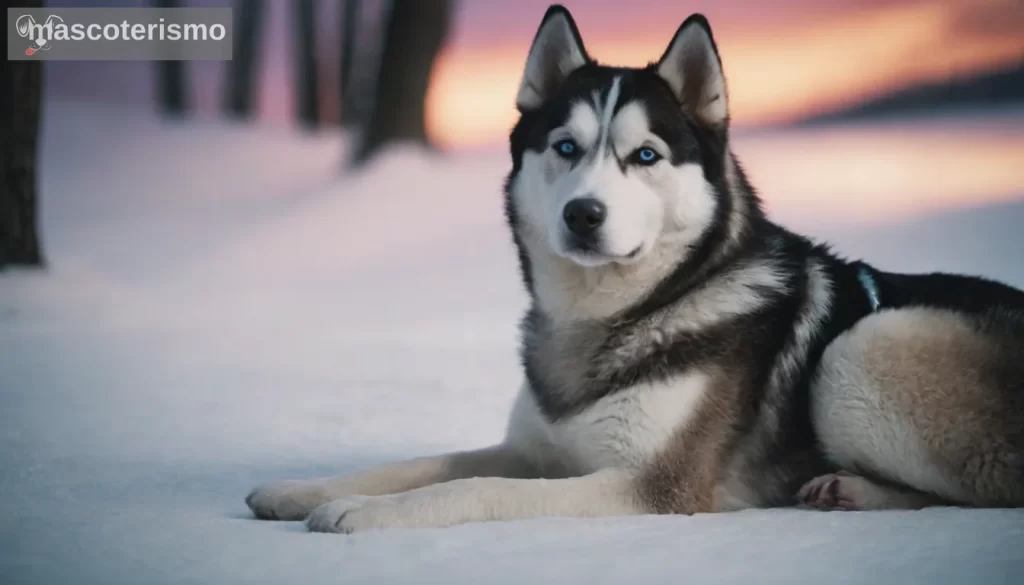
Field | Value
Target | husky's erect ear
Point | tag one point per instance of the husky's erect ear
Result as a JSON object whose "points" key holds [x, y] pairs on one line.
{"points": [[557, 51], [693, 70]]}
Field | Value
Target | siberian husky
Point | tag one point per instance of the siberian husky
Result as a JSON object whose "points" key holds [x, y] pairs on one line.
{"points": [[682, 353]]}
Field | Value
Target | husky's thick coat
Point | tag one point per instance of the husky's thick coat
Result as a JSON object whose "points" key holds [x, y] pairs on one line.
{"points": [[684, 354]]}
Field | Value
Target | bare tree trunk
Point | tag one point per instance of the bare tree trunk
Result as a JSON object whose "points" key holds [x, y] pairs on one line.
{"points": [[415, 33], [20, 108], [171, 88], [350, 17], [240, 92], [171, 91], [307, 103]]}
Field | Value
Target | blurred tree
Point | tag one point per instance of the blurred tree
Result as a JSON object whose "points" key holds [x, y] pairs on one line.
{"points": [[239, 94], [306, 83], [413, 37], [171, 88], [350, 17], [20, 107]]}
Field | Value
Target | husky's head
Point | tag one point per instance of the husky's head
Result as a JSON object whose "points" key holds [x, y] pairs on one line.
{"points": [[619, 175]]}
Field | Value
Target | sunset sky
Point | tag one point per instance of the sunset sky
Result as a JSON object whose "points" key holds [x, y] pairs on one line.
{"points": [[783, 59]]}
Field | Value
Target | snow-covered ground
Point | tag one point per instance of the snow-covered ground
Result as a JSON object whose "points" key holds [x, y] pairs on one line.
{"points": [[226, 307]]}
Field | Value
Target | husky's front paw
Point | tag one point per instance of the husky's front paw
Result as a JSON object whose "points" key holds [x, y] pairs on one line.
{"points": [[349, 514], [285, 500]]}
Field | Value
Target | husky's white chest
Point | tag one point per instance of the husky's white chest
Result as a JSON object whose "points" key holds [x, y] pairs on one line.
{"points": [[624, 429]]}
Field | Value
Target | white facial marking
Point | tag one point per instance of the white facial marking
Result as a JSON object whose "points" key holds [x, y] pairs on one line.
{"points": [[582, 126], [606, 117], [631, 130]]}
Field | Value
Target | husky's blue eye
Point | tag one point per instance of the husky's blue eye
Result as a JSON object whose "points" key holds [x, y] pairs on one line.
{"points": [[647, 156], [566, 148]]}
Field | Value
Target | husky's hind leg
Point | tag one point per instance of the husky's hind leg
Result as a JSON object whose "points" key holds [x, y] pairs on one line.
{"points": [[930, 401], [845, 491]]}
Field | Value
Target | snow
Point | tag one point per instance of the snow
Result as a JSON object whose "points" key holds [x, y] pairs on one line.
{"points": [[226, 307]]}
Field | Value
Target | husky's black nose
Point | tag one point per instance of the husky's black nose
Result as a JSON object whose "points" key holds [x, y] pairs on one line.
{"points": [[584, 215]]}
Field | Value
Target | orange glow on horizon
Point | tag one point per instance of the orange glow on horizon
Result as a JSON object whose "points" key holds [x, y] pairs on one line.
{"points": [[775, 73], [886, 171]]}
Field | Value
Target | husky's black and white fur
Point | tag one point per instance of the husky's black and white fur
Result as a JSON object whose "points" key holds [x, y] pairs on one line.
{"points": [[684, 354]]}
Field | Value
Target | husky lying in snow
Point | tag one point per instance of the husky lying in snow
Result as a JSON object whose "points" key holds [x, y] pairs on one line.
{"points": [[684, 354]]}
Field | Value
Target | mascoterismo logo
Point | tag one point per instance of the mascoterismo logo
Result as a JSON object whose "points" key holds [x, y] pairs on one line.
{"points": [[30, 29]]}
